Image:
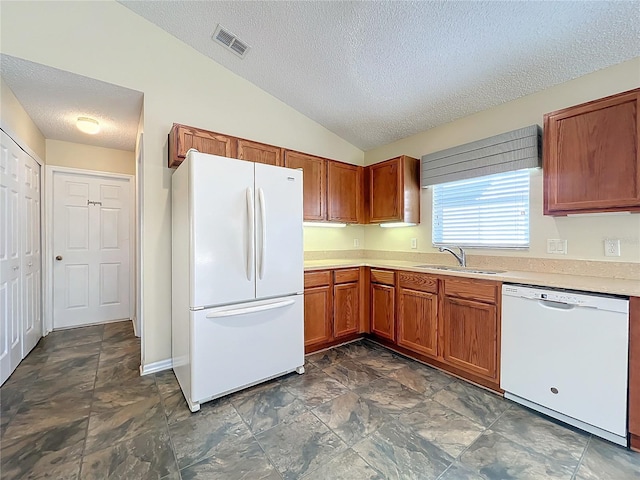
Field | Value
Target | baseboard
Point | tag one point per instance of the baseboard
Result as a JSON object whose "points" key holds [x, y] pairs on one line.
{"points": [[135, 327], [156, 367]]}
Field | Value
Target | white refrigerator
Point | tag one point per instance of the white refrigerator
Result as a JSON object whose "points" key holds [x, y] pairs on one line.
{"points": [[237, 275]]}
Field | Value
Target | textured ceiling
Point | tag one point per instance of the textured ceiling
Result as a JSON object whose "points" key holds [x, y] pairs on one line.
{"points": [[54, 99], [377, 71]]}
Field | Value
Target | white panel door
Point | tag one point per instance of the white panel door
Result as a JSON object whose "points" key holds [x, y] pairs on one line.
{"points": [[279, 249], [221, 195], [91, 249], [10, 285], [31, 256]]}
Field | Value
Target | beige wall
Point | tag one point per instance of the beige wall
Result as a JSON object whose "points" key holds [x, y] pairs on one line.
{"points": [[16, 120], [179, 85], [327, 239], [584, 233], [77, 155]]}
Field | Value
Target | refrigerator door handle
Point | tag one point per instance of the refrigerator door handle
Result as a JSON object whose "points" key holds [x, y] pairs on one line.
{"points": [[263, 226], [251, 246], [247, 310]]}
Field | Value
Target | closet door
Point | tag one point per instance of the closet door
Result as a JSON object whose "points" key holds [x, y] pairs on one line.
{"points": [[31, 255], [10, 259]]}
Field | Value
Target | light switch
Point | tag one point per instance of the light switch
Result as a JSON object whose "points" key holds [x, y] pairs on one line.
{"points": [[414, 243]]}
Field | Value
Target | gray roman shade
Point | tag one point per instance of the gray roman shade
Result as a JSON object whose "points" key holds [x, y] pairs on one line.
{"points": [[509, 151]]}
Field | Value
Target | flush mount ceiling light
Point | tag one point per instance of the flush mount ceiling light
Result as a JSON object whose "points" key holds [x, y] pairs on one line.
{"points": [[88, 125]]}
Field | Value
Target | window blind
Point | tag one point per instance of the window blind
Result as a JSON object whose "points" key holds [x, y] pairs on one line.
{"points": [[508, 151], [490, 211]]}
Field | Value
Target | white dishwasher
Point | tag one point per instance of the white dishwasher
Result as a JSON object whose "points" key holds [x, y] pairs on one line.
{"points": [[565, 354]]}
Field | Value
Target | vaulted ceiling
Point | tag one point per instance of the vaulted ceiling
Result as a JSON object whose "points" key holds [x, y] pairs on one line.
{"points": [[377, 71]]}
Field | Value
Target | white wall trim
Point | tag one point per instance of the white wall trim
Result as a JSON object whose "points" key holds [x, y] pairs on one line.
{"points": [[156, 367], [48, 252]]}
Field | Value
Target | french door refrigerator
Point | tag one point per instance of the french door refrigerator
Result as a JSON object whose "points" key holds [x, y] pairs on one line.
{"points": [[237, 275]]}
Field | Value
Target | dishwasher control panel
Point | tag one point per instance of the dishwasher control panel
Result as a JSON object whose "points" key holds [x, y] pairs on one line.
{"points": [[578, 299]]}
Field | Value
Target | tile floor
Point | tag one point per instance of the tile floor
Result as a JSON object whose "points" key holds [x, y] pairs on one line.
{"points": [[76, 408]]}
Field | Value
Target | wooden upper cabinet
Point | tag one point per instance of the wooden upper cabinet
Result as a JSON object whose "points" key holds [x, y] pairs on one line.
{"points": [[591, 159], [344, 192], [314, 177], [182, 138], [259, 152], [393, 191]]}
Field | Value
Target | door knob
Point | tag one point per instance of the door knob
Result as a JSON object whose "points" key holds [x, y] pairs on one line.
{"points": [[59, 257], [15, 268]]}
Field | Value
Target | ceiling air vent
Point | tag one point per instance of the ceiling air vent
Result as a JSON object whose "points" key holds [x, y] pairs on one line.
{"points": [[230, 41]]}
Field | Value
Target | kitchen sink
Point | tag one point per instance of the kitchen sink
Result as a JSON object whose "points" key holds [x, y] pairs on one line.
{"points": [[461, 269]]}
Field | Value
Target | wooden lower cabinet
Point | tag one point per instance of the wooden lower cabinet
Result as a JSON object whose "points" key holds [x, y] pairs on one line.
{"points": [[383, 311], [418, 321], [317, 315], [332, 308], [346, 309], [470, 334]]}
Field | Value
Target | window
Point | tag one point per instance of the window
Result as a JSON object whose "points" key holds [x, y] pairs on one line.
{"points": [[489, 212]]}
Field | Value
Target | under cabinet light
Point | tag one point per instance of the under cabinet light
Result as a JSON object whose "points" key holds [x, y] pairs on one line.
{"points": [[397, 224], [324, 224]]}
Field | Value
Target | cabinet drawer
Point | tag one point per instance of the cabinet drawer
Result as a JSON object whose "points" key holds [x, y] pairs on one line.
{"points": [[317, 279], [418, 281], [346, 276], [472, 289], [384, 277]]}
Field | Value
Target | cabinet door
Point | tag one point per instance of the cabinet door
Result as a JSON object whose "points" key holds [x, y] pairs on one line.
{"points": [[592, 156], [259, 152], [314, 178], [182, 138], [344, 187], [317, 315], [346, 309], [385, 187], [382, 311], [470, 331], [418, 321]]}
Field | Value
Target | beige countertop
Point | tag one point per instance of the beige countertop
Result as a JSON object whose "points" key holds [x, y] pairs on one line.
{"points": [[556, 280]]}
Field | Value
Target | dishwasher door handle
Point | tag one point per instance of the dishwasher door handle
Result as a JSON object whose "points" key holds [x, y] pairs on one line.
{"points": [[556, 305]]}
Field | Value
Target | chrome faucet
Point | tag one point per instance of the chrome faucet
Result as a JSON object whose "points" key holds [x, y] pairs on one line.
{"points": [[462, 258]]}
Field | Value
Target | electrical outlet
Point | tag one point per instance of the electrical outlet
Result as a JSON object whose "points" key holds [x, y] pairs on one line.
{"points": [[612, 247], [557, 246], [414, 243], [356, 242]]}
